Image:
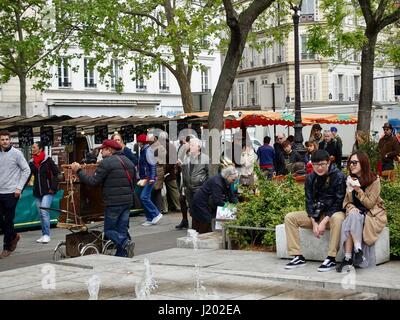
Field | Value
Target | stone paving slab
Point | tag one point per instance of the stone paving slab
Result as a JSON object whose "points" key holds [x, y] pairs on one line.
{"points": [[223, 274]]}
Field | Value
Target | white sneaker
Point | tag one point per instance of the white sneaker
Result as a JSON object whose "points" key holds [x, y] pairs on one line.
{"points": [[46, 239], [156, 219], [40, 240], [147, 223]]}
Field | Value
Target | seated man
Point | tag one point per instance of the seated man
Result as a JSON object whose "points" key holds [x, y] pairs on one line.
{"points": [[325, 189]]}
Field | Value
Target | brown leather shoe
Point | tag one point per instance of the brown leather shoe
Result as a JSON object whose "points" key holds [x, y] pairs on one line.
{"points": [[13, 243], [5, 253]]}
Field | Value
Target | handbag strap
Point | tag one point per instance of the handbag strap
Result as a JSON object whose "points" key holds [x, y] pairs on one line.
{"points": [[126, 172]]}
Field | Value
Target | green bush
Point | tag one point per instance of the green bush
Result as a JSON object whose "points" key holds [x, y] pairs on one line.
{"points": [[267, 209], [390, 194]]}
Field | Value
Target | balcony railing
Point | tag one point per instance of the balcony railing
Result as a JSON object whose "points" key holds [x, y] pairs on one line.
{"points": [[164, 88], [309, 17], [141, 87], [90, 85], [307, 56], [64, 84]]}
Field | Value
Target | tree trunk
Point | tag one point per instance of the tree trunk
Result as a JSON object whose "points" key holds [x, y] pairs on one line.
{"points": [[22, 94], [186, 93], [367, 84], [184, 82], [224, 86], [226, 79]]}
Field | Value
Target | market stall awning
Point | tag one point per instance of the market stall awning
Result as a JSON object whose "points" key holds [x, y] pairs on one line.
{"points": [[237, 119]]}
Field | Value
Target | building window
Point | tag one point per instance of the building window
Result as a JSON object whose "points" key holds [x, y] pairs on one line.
{"points": [[308, 87], [241, 93], [280, 53], [356, 80], [264, 81], [253, 57], [305, 53], [252, 94], [279, 79], [63, 74], [307, 11], [162, 78], [139, 77], [115, 73], [88, 70], [341, 87], [233, 97], [205, 81]]}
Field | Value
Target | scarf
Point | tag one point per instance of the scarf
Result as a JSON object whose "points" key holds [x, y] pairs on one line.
{"points": [[38, 158]]}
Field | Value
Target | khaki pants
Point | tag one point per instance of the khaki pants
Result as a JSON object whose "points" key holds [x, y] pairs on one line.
{"points": [[295, 220]]}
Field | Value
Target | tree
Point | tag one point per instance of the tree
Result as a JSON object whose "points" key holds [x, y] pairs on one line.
{"points": [[149, 33], [240, 26], [326, 39], [29, 42]]}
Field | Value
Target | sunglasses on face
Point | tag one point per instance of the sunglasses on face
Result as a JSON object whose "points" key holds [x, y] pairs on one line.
{"points": [[320, 164], [353, 162]]}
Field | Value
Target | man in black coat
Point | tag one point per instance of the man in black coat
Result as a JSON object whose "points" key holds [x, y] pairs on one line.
{"points": [[213, 193], [325, 189], [116, 174]]}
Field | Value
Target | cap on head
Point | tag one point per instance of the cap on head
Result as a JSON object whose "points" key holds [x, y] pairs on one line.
{"points": [[333, 129], [142, 138], [387, 125], [316, 127], [108, 143]]}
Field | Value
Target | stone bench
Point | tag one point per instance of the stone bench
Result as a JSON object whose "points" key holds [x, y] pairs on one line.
{"points": [[210, 240], [317, 249]]}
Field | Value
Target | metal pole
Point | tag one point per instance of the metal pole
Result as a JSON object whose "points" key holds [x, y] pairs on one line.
{"points": [[273, 105], [298, 135]]}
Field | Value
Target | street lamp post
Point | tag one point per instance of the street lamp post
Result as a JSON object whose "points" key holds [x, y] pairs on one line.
{"points": [[298, 127]]}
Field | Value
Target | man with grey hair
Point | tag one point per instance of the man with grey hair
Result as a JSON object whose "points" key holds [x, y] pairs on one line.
{"points": [[195, 170], [330, 145], [215, 192]]}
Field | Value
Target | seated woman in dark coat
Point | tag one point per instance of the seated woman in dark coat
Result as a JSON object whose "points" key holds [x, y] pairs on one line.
{"points": [[213, 193]]}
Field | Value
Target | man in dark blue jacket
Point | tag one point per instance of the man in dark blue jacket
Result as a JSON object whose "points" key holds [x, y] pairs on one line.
{"points": [[148, 176], [325, 189], [266, 157], [115, 173]]}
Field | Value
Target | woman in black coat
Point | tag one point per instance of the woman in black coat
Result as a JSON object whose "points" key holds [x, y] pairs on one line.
{"points": [[45, 186], [215, 192]]}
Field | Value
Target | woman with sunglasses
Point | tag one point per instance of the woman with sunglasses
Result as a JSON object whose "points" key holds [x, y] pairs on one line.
{"points": [[365, 214]]}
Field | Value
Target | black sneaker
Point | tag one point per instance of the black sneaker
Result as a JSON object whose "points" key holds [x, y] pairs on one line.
{"points": [[130, 247], [328, 265], [358, 257], [297, 261], [183, 225], [346, 264]]}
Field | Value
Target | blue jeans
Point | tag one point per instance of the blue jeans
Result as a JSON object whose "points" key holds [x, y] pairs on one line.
{"points": [[116, 220], [148, 206], [268, 173], [44, 202]]}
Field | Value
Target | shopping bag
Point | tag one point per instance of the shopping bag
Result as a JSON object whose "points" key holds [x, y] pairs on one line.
{"points": [[227, 212]]}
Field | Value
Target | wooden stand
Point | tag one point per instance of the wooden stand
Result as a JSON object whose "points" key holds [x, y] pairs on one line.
{"points": [[85, 203]]}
